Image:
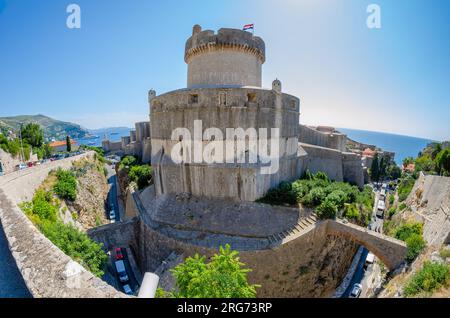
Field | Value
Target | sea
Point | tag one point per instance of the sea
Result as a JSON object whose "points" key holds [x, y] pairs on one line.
{"points": [[113, 134], [403, 146]]}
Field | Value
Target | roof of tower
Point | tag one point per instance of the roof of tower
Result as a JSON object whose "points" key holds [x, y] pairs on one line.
{"points": [[203, 41]]}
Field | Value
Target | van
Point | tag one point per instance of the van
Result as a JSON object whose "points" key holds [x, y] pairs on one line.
{"points": [[383, 194], [369, 260], [120, 268], [380, 209]]}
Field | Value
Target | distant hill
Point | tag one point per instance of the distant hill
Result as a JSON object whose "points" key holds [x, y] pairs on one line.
{"points": [[52, 128]]}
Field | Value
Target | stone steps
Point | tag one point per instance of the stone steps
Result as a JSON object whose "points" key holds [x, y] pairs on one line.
{"points": [[302, 226]]}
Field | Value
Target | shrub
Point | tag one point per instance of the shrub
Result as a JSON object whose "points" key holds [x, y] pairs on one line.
{"points": [[404, 188], [314, 197], [338, 197], [411, 234], [391, 199], [327, 210], [66, 185], [42, 206], [415, 244], [128, 161], [142, 175], [431, 277], [406, 230], [392, 211], [351, 212], [300, 189], [402, 206], [76, 244], [223, 277]]}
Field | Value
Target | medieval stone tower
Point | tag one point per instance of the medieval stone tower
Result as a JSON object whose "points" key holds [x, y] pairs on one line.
{"points": [[229, 58], [224, 91]]}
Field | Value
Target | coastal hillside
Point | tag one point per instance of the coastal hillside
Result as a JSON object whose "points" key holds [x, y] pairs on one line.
{"points": [[52, 128]]}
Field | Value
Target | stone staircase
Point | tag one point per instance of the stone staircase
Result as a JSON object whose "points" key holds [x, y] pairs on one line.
{"points": [[303, 226]]}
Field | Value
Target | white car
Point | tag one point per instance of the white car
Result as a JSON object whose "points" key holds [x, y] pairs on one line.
{"points": [[127, 289], [356, 291], [112, 215]]}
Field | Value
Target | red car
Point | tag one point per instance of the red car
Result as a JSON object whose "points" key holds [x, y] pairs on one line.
{"points": [[119, 254]]}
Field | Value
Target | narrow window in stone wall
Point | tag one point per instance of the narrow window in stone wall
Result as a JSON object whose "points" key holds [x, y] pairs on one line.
{"points": [[223, 99], [193, 99], [293, 104], [251, 97]]}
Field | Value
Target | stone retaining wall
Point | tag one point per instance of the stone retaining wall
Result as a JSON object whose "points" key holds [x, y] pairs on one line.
{"points": [[46, 270]]}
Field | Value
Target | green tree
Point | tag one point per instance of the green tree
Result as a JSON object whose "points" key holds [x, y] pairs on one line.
{"points": [[142, 175], [375, 169], [223, 277], [443, 162], [437, 148], [33, 135], [68, 144], [407, 161]]}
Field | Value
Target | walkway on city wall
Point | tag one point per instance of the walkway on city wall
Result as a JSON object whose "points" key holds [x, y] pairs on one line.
{"points": [[30, 264]]}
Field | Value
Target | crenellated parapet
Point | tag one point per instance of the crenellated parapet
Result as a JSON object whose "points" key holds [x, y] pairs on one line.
{"points": [[234, 39]]}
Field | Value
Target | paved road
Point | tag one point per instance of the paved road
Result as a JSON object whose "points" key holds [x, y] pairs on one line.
{"points": [[359, 274], [112, 195], [11, 281], [375, 225]]}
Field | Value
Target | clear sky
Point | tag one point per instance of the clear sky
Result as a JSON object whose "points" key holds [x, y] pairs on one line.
{"points": [[394, 79]]}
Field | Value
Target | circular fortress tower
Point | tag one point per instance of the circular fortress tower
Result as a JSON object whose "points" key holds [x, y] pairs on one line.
{"points": [[224, 94], [229, 58]]}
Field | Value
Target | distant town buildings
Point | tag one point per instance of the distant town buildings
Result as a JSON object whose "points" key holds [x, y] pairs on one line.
{"points": [[60, 146]]}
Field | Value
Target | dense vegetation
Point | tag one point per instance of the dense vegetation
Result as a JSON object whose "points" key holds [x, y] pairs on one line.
{"points": [[141, 174], [431, 277], [223, 277], [66, 185], [43, 212], [404, 187], [32, 139], [434, 159], [327, 197], [411, 234]]}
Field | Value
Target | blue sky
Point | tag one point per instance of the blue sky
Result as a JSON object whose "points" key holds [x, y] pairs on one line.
{"points": [[394, 79]]}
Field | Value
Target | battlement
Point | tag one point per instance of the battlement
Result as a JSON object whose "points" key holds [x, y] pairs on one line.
{"points": [[203, 41]]}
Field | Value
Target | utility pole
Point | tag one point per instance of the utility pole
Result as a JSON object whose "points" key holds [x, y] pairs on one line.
{"points": [[21, 144]]}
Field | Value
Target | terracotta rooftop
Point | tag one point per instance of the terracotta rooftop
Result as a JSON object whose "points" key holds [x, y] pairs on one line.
{"points": [[369, 152], [61, 143]]}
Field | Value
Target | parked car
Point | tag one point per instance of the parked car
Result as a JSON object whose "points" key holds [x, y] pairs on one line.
{"points": [[119, 254], [112, 215], [120, 268], [21, 166], [127, 289], [356, 291]]}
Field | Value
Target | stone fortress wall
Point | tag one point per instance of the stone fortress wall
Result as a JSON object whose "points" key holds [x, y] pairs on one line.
{"points": [[46, 270], [223, 108], [326, 137], [137, 144]]}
